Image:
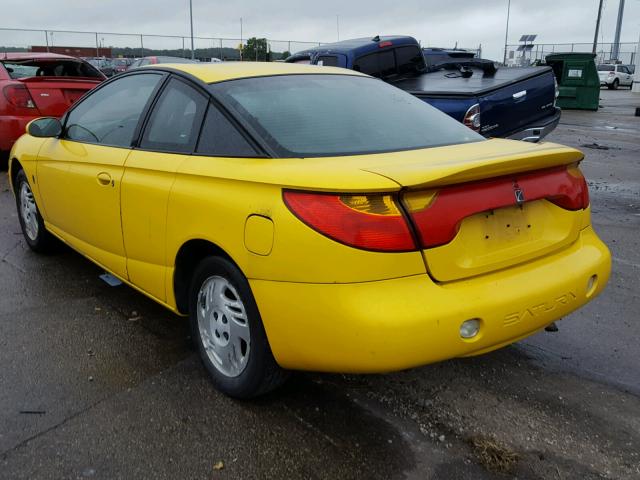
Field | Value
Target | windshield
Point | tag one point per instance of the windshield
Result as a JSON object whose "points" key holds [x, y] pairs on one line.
{"points": [[327, 115], [49, 68], [606, 68]]}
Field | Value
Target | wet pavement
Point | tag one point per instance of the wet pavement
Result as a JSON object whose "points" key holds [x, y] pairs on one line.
{"points": [[99, 382]]}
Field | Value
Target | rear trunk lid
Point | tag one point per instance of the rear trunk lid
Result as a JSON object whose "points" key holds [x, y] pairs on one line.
{"points": [[54, 95], [504, 203]]}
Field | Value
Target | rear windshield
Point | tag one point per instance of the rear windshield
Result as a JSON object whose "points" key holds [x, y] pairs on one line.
{"points": [[50, 68], [329, 115], [396, 61], [606, 68]]}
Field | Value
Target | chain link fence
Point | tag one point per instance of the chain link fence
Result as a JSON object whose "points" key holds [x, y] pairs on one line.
{"points": [[88, 44], [604, 52]]}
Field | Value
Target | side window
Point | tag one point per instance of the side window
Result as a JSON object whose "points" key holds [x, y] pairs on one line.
{"points": [[176, 118], [220, 138], [624, 69], [328, 60], [110, 115]]}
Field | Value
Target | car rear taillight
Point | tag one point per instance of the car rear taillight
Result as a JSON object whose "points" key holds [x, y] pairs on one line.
{"points": [[18, 96], [437, 214], [611, 74], [365, 221], [472, 118]]}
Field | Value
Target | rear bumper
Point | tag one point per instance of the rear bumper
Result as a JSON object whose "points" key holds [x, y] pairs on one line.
{"points": [[12, 128], [536, 131], [406, 322]]}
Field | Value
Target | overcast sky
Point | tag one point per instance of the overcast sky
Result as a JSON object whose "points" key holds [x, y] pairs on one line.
{"points": [[435, 23]]}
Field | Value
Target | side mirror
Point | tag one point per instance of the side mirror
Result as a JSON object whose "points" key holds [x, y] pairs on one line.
{"points": [[44, 127]]}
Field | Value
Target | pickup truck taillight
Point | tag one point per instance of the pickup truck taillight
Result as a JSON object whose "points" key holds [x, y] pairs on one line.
{"points": [[18, 96], [472, 118]]}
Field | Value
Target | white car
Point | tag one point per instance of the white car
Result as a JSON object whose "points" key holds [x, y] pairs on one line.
{"points": [[614, 75]]}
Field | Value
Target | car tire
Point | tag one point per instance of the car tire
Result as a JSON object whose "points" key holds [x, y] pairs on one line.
{"points": [[615, 84], [228, 332], [31, 222]]}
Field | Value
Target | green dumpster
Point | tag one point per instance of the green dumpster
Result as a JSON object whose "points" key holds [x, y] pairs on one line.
{"points": [[577, 78]]}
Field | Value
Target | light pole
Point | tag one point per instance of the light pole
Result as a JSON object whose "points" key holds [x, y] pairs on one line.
{"points": [[506, 33], [193, 53], [616, 39], [595, 36]]}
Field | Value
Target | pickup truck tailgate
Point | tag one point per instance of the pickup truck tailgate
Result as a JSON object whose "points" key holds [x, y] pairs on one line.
{"points": [[517, 105]]}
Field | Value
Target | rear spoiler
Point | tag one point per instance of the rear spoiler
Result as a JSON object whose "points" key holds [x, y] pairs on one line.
{"points": [[488, 67]]}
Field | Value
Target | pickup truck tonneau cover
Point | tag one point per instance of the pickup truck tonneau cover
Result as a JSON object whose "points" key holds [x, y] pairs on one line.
{"points": [[440, 82]]}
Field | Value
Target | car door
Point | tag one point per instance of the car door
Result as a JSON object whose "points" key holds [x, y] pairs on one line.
{"points": [[169, 138], [627, 79], [79, 174]]}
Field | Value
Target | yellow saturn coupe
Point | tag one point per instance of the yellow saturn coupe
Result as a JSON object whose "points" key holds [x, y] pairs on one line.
{"points": [[310, 218]]}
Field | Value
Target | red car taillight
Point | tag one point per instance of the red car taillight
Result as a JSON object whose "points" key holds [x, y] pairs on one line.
{"points": [[437, 214], [472, 118], [18, 96], [376, 221], [370, 222]]}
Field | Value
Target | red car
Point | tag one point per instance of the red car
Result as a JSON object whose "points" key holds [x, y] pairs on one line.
{"points": [[36, 85]]}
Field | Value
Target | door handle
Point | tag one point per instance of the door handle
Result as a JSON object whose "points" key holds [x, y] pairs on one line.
{"points": [[104, 178]]}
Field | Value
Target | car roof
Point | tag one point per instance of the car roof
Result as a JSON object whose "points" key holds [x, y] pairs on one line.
{"points": [[219, 72], [34, 56]]}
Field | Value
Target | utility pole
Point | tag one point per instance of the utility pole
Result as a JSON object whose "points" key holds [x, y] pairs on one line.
{"points": [[595, 37], [636, 82], [506, 33], [193, 52], [240, 38], [616, 39]]}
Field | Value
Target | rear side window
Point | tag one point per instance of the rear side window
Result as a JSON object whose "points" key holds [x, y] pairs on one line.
{"points": [[220, 138], [176, 118], [110, 115]]}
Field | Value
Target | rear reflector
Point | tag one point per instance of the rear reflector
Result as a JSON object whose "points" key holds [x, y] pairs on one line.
{"points": [[437, 214], [18, 96], [369, 222]]}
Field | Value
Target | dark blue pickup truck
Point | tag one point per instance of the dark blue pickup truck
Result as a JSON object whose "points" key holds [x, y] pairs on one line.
{"points": [[517, 103]]}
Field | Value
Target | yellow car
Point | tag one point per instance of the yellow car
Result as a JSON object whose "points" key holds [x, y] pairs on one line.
{"points": [[310, 218]]}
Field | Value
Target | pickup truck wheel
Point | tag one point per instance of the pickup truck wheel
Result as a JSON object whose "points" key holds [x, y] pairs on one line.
{"points": [[31, 222], [228, 331]]}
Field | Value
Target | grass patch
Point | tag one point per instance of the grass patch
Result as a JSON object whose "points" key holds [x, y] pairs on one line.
{"points": [[493, 456]]}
